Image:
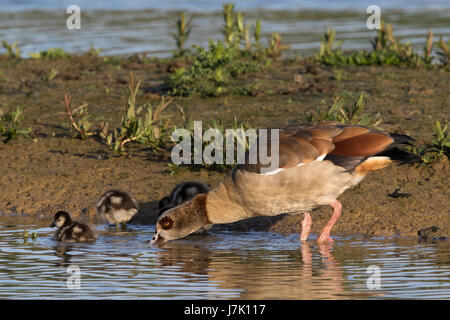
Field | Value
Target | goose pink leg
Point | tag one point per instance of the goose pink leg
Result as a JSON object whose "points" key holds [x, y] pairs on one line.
{"points": [[306, 227], [324, 237]]}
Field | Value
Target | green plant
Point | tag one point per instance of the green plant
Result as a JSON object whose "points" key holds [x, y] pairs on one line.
{"points": [[347, 108], [444, 54], [52, 53], [10, 123], [438, 147], [327, 44], [213, 69], [183, 27], [236, 31], [12, 50], [94, 52], [147, 128], [142, 124], [385, 37], [257, 32], [51, 74], [229, 28], [389, 50], [242, 142], [173, 168], [427, 57], [338, 75], [26, 235], [82, 122], [386, 50], [275, 46], [113, 61]]}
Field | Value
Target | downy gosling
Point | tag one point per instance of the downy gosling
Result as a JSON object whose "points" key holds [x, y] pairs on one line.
{"points": [[70, 230], [183, 192], [117, 206]]}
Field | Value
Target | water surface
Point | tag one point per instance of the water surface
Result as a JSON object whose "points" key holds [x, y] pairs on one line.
{"points": [[124, 27], [220, 265]]}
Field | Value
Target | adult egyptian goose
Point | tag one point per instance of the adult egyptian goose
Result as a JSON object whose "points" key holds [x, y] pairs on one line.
{"points": [[70, 230], [317, 163]]}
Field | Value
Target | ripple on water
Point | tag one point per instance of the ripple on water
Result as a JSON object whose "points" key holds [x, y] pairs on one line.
{"points": [[221, 265]]}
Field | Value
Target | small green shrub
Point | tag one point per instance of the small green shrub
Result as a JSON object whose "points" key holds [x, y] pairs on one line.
{"points": [[113, 61], [230, 28], [386, 50], [327, 44], [50, 54], [275, 46], [82, 122], [338, 75], [12, 50], [347, 108], [444, 53], [213, 69], [438, 147], [183, 27], [51, 74], [10, 124], [142, 124], [94, 52], [241, 142]]}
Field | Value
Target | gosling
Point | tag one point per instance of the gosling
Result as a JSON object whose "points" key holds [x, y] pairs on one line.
{"points": [[70, 230], [183, 192], [117, 206]]}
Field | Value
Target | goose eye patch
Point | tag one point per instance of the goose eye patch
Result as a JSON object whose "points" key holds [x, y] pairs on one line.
{"points": [[166, 223]]}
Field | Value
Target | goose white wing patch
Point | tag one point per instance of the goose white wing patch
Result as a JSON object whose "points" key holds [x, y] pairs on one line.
{"points": [[320, 158]]}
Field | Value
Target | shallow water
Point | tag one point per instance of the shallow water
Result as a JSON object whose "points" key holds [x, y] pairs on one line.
{"points": [[119, 27], [220, 265]]}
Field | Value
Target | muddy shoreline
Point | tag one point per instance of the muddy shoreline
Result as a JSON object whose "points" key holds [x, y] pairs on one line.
{"points": [[52, 170]]}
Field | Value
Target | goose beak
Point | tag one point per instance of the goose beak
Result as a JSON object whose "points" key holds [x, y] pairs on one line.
{"points": [[157, 239]]}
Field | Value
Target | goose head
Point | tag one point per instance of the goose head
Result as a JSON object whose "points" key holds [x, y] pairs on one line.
{"points": [[180, 221]]}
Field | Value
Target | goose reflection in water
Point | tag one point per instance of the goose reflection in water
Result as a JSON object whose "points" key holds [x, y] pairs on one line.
{"points": [[289, 274]]}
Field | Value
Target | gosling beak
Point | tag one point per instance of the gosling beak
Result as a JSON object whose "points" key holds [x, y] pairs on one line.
{"points": [[157, 239]]}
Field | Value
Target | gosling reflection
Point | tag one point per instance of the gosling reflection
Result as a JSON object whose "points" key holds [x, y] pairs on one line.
{"points": [[62, 250], [259, 274]]}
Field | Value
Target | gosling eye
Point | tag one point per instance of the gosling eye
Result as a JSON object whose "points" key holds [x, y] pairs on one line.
{"points": [[166, 223]]}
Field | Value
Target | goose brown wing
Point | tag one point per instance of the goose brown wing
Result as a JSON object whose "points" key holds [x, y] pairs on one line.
{"points": [[299, 144], [345, 145]]}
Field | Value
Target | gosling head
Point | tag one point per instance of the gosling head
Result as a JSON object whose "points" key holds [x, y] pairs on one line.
{"points": [[182, 220], [61, 218]]}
